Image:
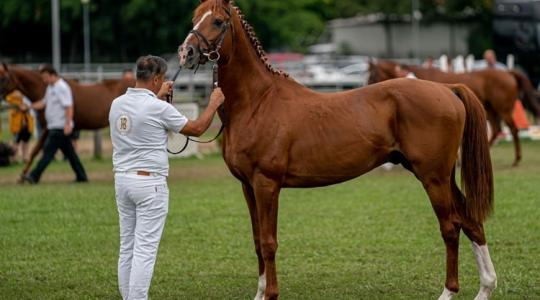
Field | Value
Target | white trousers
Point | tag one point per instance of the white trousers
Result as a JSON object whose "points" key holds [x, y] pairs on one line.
{"points": [[143, 203]]}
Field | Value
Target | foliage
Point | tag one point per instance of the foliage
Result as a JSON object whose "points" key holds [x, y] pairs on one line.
{"points": [[121, 30]]}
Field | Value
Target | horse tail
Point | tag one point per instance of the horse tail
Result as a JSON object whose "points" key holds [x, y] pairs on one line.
{"points": [[528, 95], [476, 169]]}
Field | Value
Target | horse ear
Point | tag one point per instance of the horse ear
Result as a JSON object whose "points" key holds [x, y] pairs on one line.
{"points": [[4, 65], [202, 1]]}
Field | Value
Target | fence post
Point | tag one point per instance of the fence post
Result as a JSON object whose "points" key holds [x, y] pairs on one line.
{"points": [[98, 149]]}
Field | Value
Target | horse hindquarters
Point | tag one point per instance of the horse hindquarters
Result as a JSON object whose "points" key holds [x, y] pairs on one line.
{"points": [[456, 211], [432, 154]]}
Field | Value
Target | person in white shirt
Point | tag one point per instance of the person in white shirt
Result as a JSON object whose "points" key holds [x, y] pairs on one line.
{"points": [[58, 104], [139, 123]]}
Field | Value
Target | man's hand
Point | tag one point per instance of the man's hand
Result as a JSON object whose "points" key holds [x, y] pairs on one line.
{"points": [[166, 89], [199, 126], [68, 129], [217, 98]]}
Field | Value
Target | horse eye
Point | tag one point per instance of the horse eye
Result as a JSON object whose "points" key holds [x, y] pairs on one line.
{"points": [[218, 22]]}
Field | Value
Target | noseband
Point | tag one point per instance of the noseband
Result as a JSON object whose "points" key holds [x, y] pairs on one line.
{"points": [[211, 51]]}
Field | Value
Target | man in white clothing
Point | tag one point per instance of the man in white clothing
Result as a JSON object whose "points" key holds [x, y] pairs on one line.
{"points": [[58, 104], [139, 123]]}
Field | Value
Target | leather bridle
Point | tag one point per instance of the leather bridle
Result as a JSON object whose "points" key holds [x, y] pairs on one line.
{"points": [[211, 52], [207, 49]]}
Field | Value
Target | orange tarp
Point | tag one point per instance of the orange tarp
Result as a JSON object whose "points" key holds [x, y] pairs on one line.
{"points": [[519, 116]]}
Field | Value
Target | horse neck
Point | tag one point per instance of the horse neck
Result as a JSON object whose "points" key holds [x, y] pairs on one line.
{"points": [[432, 74], [30, 84], [244, 78]]}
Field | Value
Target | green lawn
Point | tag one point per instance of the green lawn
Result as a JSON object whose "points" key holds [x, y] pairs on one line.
{"points": [[372, 238]]}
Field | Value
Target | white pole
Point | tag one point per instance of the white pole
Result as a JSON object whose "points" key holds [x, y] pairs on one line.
{"points": [[86, 29], [415, 19], [510, 61], [56, 60]]}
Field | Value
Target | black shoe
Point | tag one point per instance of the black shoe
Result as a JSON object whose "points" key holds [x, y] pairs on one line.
{"points": [[27, 178], [81, 180]]}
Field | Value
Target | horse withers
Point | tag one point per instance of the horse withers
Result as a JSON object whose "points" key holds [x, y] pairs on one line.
{"points": [[281, 134]]}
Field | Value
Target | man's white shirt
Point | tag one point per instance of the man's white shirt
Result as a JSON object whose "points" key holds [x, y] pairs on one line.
{"points": [[139, 123], [58, 98]]}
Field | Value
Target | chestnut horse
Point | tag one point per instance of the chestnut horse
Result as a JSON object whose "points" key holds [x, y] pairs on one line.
{"points": [[280, 134], [496, 89], [91, 102]]}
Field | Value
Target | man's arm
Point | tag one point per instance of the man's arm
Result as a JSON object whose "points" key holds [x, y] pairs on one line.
{"points": [[68, 125], [199, 126], [38, 105]]}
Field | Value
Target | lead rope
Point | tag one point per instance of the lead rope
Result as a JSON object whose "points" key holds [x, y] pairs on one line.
{"points": [[215, 84]]}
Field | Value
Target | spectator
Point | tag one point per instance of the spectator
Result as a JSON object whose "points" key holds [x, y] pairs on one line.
{"points": [[428, 64], [128, 74], [21, 123], [491, 59]]}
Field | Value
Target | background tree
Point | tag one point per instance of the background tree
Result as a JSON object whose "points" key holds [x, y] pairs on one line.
{"points": [[121, 30]]}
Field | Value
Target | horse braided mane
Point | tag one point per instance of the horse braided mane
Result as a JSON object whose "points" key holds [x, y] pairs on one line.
{"points": [[257, 44]]}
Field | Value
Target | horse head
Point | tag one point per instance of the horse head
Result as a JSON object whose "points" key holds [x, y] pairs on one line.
{"points": [[208, 41], [382, 71], [7, 82]]}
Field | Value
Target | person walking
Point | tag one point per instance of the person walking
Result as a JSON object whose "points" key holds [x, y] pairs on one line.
{"points": [[139, 123], [58, 104], [21, 123]]}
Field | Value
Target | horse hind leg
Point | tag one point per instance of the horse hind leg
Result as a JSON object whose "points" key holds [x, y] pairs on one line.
{"points": [[440, 195], [515, 136], [475, 232], [252, 206], [488, 278], [495, 125]]}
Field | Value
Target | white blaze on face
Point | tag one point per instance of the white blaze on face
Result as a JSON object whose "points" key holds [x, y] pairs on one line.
{"points": [[183, 52]]}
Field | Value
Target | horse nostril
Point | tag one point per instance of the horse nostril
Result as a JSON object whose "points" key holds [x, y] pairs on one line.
{"points": [[190, 51]]}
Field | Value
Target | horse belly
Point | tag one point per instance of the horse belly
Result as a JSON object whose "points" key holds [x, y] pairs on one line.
{"points": [[333, 164]]}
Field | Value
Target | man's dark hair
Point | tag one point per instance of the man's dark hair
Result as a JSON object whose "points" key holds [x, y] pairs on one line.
{"points": [[47, 68], [150, 66]]}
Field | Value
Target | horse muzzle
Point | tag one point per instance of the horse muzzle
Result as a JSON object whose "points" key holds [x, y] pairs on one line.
{"points": [[189, 56]]}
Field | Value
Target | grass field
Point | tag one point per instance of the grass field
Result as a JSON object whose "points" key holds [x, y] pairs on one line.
{"points": [[372, 238]]}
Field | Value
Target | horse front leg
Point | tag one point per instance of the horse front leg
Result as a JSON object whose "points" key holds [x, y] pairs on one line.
{"points": [[252, 206], [35, 151], [266, 191]]}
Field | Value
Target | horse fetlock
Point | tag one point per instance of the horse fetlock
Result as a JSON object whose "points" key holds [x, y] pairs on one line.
{"points": [[271, 295], [447, 294], [488, 281], [261, 287], [452, 285], [484, 293]]}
